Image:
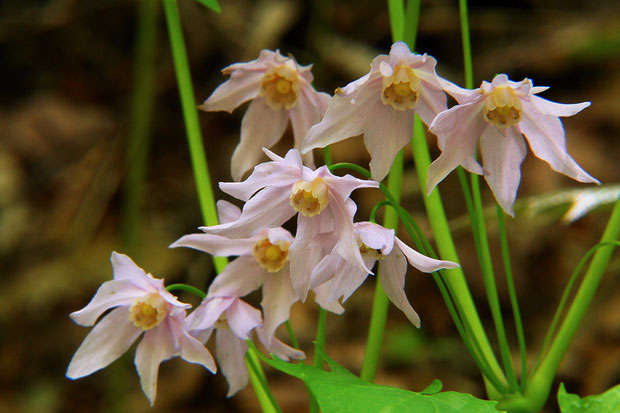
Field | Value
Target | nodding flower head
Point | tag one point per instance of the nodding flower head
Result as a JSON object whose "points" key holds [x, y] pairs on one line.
{"points": [[280, 86], [502, 107], [309, 198], [402, 89], [271, 257]]}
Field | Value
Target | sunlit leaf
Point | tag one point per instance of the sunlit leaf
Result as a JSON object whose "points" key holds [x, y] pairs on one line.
{"points": [[608, 402], [340, 391]]}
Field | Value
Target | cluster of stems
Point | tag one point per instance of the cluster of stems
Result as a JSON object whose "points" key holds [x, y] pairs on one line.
{"points": [[526, 393]]}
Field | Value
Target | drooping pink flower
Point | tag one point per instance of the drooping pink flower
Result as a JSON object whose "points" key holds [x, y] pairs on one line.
{"points": [[375, 243], [263, 261], [141, 305], [280, 89], [496, 115], [381, 105], [278, 190]]}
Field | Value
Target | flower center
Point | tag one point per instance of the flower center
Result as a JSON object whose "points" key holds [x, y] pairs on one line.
{"points": [[148, 311], [280, 86], [502, 107], [309, 198], [366, 251], [401, 90], [271, 257]]}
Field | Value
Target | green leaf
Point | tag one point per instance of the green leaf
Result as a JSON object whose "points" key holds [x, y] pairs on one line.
{"points": [[212, 4], [341, 391], [608, 402]]}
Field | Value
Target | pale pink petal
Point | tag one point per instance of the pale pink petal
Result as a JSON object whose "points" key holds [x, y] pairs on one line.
{"points": [[326, 269], [269, 208], [278, 234], [420, 261], [110, 294], [348, 280], [347, 244], [392, 276], [461, 95], [241, 87], [277, 347], [278, 297], [342, 186], [400, 53], [156, 346], [208, 312], [304, 255], [238, 279], [386, 134], [502, 155], [216, 244], [190, 349], [321, 295], [261, 127], [106, 342], [545, 135], [538, 89], [242, 318], [548, 107], [230, 352], [375, 236], [227, 211], [306, 113], [458, 130], [345, 117], [125, 269], [386, 69], [432, 101]]}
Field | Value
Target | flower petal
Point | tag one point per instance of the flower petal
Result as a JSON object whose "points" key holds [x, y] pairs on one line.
{"points": [[545, 135], [110, 294], [261, 127], [308, 111], [278, 297], [106, 342], [125, 269], [393, 269], [548, 107], [321, 295], [304, 254], [238, 279], [242, 318], [216, 244], [280, 349], [207, 313], [190, 349], [156, 346], [420, 261], [230, 352], [502, 155], [375, 236], [227, 211]]}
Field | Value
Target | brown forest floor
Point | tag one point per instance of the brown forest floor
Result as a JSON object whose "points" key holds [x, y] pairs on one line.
{"points": [[66, 81]]}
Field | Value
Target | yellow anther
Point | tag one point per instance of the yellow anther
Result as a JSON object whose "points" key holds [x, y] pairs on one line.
{"points": [[148, 311], [309, 198], [366, 251], [503, 107], [271, 257], [401, 90], [280, 86]]}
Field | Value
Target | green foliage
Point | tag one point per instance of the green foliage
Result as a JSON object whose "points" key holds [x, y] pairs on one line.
{"points": [[608, 402], [212, 4], [341, 391]]}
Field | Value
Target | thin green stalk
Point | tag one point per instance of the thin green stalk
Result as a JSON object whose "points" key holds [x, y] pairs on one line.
{"points": [[192, 127], [291, 334], [142, 103], [318, 359], [412, 17], [396, 9], [184, 287], [265, 398], [455, 278], [488, 278], [373, 213], [514, 302], [539, 383], [466, 39]]}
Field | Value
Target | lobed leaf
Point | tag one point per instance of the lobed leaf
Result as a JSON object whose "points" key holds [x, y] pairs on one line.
{"points": [[608, 402]]}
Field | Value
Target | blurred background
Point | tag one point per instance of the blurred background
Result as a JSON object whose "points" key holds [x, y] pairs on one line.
{"points": [[66, 70]]}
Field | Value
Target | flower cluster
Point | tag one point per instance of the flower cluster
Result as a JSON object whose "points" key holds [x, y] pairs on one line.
{"points": [[330, 254]]}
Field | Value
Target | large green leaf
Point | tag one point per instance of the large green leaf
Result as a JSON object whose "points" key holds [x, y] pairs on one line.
{"points": [[608, 402], [212, 4], [341, 391]]}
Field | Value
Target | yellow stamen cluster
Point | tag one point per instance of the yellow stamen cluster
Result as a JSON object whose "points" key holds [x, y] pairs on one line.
{"points": [[503, 107], [148, 311], [309, 198], [271, 257], [402, 89], [280, 86]]}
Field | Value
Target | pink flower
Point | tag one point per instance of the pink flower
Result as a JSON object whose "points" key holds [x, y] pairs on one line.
{"points": [[497, 114], [375, 243], [233, 319], [141, 305], [278, 190], [381, 106], [263, 261], [280, 89]]}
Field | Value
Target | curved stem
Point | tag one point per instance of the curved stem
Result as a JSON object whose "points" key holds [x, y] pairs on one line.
{"points": [[192, 127], [184, 287]]}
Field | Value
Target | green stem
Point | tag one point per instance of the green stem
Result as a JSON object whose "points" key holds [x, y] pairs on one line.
{"points": [[466, 39], [142, 102], [318, 359], [539, 383], [514, 302], [291, 334], [184, 287], [192, 127], [265, 398], [455, 278]]}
